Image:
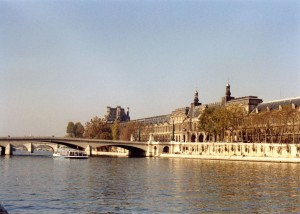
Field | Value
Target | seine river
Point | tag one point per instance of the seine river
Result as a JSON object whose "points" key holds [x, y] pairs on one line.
{"points": [[41, 184]]}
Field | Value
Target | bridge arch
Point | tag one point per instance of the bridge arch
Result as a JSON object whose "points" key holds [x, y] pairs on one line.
{"points": [[70, 145], [52, 147], [132, 150], [166, 149], [89, 145]]}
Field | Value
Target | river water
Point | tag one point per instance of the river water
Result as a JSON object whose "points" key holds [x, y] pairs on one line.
{"points": [[41, 184]]}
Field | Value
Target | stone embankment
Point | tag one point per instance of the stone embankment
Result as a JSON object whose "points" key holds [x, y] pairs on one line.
{"points": [[262, 152], [111, 154]]}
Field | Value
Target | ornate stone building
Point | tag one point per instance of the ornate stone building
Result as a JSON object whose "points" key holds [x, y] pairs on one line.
{"points": [[278, 121], [181, 125], [116, 114]]}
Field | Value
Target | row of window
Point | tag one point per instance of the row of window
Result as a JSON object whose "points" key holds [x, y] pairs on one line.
{"points": [[168, 128]]}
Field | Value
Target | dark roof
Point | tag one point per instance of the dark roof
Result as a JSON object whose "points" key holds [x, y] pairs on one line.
{"points": [[195, 111], [180, 111], [246, 98], [155, 120], [274, 105]]}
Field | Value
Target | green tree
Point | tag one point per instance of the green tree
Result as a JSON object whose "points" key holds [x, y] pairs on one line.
{"points": [[115, 130], [70, 129], [213, 121], [78, 130], [128, 129]]}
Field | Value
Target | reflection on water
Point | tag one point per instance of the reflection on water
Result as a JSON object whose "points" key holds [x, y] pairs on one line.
{"points": [[147, 185]]}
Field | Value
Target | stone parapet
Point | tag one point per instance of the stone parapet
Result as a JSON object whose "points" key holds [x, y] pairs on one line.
{"points": [[240, 151]]}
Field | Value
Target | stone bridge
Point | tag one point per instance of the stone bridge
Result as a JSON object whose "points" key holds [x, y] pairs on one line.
{"points": [[136, 149]]}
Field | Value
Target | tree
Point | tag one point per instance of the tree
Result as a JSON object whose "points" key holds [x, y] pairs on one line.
{"points": [[287, 117], [115, 130], [234, 118], [70, 129], [75, 130], [78, 130], [213, 121], [253, 124], [128, 129], [97, 129]]}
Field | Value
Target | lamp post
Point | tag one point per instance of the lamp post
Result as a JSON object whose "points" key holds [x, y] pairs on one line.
{"points": [[173, 131], [139, 134]]}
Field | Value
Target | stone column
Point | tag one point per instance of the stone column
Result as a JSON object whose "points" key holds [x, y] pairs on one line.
{"points": [[8, 150]]}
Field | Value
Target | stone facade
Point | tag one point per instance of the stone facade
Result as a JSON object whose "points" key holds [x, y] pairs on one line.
{"points": [[181, 125]]}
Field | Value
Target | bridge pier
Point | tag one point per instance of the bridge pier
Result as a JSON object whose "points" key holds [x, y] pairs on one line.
{"points": [[55, 148], [136, 148], [29, 147], [149, 152], [2, 151], [8, 150], [88, 150]]}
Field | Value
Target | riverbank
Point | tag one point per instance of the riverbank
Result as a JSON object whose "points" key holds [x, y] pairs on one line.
{"points": [[233, 158], [210, 157], [259, 152]]}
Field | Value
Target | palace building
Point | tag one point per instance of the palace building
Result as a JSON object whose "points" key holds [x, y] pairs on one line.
{"points": [[181, 125], [183, 122]]}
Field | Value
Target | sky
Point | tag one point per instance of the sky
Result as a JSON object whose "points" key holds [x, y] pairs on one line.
{"points": [[66, 60]]}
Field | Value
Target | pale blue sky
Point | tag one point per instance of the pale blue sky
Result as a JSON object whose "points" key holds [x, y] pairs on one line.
{"points": [[64, 61]]}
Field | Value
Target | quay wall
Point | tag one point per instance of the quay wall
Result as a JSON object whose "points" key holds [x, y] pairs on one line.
{"points": [[237, 151]]}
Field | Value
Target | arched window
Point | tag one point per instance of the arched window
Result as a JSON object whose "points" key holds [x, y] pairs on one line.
{"points": [[201, 137], [193, 138]]}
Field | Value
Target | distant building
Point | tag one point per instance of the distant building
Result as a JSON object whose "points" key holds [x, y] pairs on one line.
{"points": [[116, 114]]}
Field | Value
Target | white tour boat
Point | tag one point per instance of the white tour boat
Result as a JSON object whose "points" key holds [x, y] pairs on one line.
{"points": [[70, 153]]}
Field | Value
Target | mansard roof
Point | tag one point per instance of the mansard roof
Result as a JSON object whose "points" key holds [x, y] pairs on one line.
{"points": [[195, 111], [245, 98], [118, 113], [274, 105], [180, 111], [155, 120]]}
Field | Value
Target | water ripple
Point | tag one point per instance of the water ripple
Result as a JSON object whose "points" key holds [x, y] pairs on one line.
{"points": [[147, 185]]}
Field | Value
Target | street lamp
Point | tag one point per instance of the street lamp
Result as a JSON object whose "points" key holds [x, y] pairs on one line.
{"points": [[173, 131]]}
